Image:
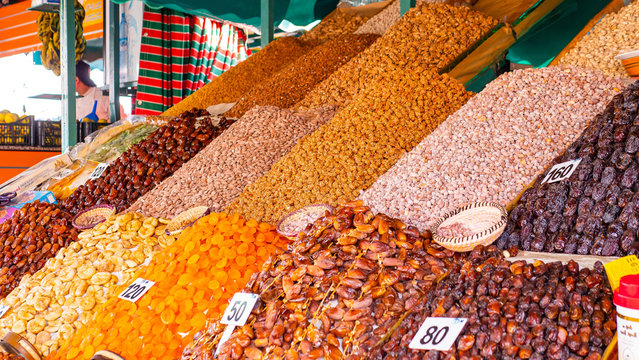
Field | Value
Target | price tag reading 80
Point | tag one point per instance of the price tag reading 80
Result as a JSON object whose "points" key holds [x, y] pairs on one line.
{"points": [[437, 333], [239, 309], [135, 291], [561, 171]]}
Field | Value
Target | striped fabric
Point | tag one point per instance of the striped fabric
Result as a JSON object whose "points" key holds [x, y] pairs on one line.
{"points": [[180, 53]]}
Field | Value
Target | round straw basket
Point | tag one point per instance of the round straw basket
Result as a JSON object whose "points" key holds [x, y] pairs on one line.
{"points": [[486, 220], [106, 355], [92, 216], [185, 219], [293, 223]]}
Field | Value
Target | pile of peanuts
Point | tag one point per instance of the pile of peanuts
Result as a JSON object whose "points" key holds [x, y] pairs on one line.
{"points": [[386, 18], [239, 156], [32, 235], [495, 145], [50, 305], [194, 279], [361, 142], [338, 291], [614, 34], [148, 162], [429, 36], [233, 83], [292, 83], [336, 24]]}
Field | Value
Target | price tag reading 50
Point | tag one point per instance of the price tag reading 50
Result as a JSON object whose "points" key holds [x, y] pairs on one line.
{"points": [[239, 309], [437, 333], [135, 291]]}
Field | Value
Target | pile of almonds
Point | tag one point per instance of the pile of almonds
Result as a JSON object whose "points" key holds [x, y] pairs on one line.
{"points": [[494, 146], [386, 18], [236, 158], [292, 83], [34, 234], [614, 34], [430, 36], [360, 143], [148, 162], [233, 83]]}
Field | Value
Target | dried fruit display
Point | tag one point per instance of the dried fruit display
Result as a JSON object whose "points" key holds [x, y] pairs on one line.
{"points": [[614, 34], [494, 146], [293, 82], [233, 83], [430, 36], [336, 24], [515, 311], [386, 18], [48, 306], [338, 291], [596, 210], [194, 279], [32, 235], [150, 161], [236, 158], [360, 143]]}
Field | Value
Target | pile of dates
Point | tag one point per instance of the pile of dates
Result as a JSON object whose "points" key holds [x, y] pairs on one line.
{"points": [[596, 210], [34, 234], [338, 292], [516, 311], [147, 163]]}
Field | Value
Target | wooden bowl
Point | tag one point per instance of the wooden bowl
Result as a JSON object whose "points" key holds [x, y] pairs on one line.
{"points": [[186, 219], [292, 224], [15, 344], [92, 216], [475, 224]]}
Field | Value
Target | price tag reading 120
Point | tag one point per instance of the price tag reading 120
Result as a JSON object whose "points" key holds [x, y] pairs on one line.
{"points": [[239, 309], [561, 171], [135, 291], [437, 333]]}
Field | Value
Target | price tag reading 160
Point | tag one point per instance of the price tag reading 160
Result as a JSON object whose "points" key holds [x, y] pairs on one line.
{"points": [[437, 333], [239, 309], [561, 171]]}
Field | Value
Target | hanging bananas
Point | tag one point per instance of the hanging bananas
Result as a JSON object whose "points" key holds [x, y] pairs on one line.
{"points": [[49, 35]]}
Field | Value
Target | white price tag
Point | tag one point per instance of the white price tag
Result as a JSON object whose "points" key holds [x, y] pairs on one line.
{"points": [[239, 309], [561, 171], [437, 333], [135, 291], [98, 171], [4, 309]]}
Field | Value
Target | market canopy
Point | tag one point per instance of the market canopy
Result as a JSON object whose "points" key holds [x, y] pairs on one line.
{"points": [[298, 12]]}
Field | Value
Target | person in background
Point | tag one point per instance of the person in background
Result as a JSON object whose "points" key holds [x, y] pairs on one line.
{"points": [[90, 94]]}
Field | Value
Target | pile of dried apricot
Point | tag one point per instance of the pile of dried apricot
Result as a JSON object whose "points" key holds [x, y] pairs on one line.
{"points": [[194, 279]]}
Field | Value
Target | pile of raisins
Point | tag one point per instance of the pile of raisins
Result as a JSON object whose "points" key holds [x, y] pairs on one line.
{"points": [[596, 210]]}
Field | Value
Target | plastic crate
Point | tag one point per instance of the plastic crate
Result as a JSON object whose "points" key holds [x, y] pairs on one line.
{"points": [[18, 134], [50, 132]]}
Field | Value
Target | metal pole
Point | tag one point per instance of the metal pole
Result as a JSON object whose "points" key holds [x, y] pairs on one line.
{"points": [[405, 5], [113, 58], [67, 70], [267, 21]]}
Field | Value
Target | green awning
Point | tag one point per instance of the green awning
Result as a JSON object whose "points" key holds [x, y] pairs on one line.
{"points": [[298, 12]]}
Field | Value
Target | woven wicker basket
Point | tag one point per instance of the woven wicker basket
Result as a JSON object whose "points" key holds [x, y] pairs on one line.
{"points": [[486, 220], [92, 216], [106, 355], [185, 219], [291, 224]]}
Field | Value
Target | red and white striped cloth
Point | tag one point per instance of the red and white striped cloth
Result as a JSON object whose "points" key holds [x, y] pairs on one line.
{"points": [[181, 53]]}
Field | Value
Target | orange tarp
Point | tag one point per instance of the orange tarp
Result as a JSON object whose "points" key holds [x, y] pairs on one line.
{"points": [[19, 30]]}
